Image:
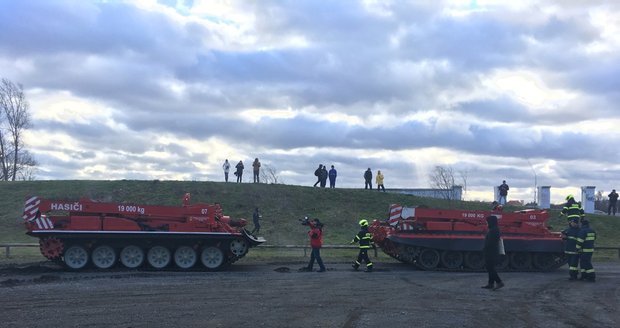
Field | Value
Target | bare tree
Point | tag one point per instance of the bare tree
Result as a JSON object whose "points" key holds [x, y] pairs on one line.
{"points": [[14, 119], [269, 174], [442, 179]]}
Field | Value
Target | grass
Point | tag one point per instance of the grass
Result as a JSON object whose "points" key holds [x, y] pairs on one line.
{"points": [[281, 206]]}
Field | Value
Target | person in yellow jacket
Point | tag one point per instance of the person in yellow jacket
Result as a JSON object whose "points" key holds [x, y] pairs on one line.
{"points": [[379, 180]]}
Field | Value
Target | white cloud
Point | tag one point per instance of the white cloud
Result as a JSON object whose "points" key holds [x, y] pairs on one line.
{"points": [[168, 89]]}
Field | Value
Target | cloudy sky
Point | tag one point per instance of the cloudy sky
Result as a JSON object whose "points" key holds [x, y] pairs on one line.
{"points": [[168, 89]]}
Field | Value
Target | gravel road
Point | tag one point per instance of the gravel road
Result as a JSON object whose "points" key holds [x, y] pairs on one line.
{"points": [[278, 295]]}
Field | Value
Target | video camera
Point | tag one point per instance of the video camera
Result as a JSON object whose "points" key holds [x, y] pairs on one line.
{"points": [[305, 221]]}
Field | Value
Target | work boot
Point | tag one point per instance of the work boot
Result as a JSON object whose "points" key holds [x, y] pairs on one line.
{"points": [[355, 266], [498, 286], [572, 279], [489, 286], [321, 270], [369, 269]]}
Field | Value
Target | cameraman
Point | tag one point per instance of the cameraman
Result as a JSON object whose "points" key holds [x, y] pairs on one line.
{"points": [[316, 241]]}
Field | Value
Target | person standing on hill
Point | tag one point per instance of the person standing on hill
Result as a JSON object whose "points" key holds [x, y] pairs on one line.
{"points": [[379, 180], [239, 172], [256, 166], [324, 176], [332, 177], [613, 200], [368, 179], [491, 253], [316, 242], [317, 174], [503, 192], [226, 168]]}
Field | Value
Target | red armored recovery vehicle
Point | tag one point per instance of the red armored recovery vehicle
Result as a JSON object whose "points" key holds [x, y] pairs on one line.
{"points": [[85, 231], [452, 240]]}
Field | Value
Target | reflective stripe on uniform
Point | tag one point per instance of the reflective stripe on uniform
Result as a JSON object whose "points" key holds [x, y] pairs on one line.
{"points": [[568, 252], [588, 250]]}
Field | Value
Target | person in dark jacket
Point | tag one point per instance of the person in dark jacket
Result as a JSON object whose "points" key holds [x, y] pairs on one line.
{"points": [[570, 236], [503, 192], [491, 253], [239, 172], [317, 174], [613, 200], [256, 167], [585, 246], [316, 241], [332, 177], [256, 220], [364, 238], [368, 179], [324, 175], [572, 209]]}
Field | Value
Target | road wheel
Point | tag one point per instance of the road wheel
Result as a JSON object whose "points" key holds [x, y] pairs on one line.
{"points": [[544, 261], [239, 247], [521, 261], [158, 257], [103, 257], [185, 257], [132, 256], [428, 258], [212, 257], [451, 259], [76, 257], [474, 260]]}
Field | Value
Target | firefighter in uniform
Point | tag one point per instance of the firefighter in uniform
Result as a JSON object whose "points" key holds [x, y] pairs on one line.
{"points": [[570, 248], [364, 238], [572, 209], [585, 247]]}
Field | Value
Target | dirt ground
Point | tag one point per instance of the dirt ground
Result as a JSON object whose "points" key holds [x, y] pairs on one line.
{"points": [[278, 295]]}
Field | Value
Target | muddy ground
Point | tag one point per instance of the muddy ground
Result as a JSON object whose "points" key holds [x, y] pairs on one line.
{"points": [[278, 295]]}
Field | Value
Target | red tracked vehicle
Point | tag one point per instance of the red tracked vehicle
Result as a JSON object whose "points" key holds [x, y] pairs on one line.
{"points": [[436, 239], [81, 232]]}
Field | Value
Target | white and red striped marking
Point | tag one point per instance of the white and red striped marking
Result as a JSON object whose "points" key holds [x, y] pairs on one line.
{"points": [[395, 211], [44, 223], [31, 206]]}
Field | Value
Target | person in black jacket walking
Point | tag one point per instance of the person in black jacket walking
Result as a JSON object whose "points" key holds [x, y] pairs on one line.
{"points": [[317, 173], [491, 253]]}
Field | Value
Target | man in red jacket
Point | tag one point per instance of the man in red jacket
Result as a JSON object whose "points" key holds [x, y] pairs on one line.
{"points": [[316, 241]]}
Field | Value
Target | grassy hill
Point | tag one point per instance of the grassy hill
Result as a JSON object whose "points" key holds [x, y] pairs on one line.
{"points": [[281, 205]]}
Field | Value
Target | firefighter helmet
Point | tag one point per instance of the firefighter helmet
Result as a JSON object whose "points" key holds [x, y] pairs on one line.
{"points": [[569, 197], [363, 223]]}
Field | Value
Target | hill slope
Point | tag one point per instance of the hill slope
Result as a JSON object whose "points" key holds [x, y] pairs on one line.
{"points": [[281, 205]]}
